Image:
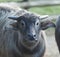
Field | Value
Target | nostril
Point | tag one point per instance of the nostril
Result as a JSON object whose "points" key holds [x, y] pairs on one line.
{"points": [[29, 35], [34, 35]]}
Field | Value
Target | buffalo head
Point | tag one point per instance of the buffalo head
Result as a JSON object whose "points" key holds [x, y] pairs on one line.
{"points": [[30, 26]]}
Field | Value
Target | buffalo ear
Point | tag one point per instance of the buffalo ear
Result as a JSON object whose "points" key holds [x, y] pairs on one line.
{"points": [[47, 24], [14, 25]]}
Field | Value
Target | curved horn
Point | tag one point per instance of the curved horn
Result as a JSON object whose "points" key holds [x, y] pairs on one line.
{"points": [[44, 17], [14, 17]]}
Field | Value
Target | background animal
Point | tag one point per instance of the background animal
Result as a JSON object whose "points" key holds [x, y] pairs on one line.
{"points": [[21, 33], [57, 33]]}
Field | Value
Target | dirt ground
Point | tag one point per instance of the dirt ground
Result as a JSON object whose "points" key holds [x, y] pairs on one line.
{"points": [[51, 49]]}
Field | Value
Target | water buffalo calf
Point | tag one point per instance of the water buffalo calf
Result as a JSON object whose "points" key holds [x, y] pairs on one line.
{"points": [[21, 33]]}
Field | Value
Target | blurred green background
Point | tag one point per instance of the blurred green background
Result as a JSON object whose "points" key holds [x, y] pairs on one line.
{"points": [[50, 10], [46, 10]]}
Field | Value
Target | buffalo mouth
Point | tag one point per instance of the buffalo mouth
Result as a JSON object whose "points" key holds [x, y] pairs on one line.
{"points": [[29, 42]]}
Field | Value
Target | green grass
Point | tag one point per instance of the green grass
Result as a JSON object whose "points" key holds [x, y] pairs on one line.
{"points": [[46, 10]]}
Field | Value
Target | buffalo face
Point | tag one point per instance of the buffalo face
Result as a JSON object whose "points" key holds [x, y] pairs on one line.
{"points": [[30, 26]]}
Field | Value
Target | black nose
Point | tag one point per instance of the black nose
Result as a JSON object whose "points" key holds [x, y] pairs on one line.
{"points": [[32, 37]]}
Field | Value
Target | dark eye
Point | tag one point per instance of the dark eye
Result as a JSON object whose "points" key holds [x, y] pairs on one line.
{"points": [[22, 24], [37, 23]]}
